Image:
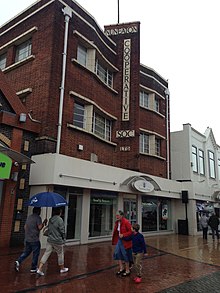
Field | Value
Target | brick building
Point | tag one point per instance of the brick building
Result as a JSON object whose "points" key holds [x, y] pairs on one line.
{"points": [[17, 135], [103, 116]]}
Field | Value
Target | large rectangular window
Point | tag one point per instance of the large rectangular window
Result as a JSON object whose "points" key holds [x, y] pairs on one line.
{"points": [[2, 61], [102, 214], [194, 159], [211, 159], [156, 214], [101, 126], [144, 99], [201, 162], [23, 50], [79, 115], [144, 143]]}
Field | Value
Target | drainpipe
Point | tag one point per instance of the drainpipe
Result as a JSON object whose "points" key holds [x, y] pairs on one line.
{"points": [[68, 14], [167, 93]]}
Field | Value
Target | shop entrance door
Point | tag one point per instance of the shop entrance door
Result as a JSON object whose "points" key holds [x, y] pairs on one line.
{"points": [[130, 210]]}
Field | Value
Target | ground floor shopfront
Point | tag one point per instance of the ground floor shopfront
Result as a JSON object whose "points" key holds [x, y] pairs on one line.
{"points": [[95, 192]]}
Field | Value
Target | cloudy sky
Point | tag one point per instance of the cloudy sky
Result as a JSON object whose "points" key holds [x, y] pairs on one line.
{"points": [[179, 40]]}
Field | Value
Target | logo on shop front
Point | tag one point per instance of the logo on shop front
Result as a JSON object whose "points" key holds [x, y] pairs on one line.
{"points": [[143, 185], [5, 166]]}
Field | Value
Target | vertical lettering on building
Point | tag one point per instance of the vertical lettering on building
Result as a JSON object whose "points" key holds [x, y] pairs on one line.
{"points": [[126, 79]]}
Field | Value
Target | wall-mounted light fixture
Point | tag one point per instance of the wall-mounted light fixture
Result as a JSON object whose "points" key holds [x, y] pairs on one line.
{"points": [[22, 117]]}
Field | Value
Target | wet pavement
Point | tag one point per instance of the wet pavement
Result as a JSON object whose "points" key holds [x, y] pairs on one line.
{"points": [[175, 263]]}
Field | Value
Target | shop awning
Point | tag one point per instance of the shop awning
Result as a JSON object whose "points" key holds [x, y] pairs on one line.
{"points": [[16, 156]]}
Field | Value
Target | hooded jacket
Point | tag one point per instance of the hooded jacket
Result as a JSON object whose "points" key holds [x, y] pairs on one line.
{"points": [[56, 230]]}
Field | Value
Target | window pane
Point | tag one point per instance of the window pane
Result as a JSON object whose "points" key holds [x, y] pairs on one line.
{"points": [[144, 143], [81, 55], [104, 73], [157, 146], [2, 61], [78, 115], [23, 51], [201, 163], [144, 99], [211, 164], [102, 210], [102, 127], [194, 159]]}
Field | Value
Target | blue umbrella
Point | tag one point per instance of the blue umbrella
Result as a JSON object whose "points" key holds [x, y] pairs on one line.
{"points": [[47, 199]]}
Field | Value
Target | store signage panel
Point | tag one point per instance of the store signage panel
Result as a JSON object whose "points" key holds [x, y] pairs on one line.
{"points": [[143, 185], [5, 166]]}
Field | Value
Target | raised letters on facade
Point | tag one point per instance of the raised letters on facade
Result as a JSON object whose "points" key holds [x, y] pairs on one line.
{"points": [[123, 30], [126, 79]]}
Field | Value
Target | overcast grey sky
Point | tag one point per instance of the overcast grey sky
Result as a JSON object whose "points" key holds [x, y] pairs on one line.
{"points": [[179, 40]]}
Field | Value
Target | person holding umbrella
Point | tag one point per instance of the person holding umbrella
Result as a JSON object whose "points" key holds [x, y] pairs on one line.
{"points": [[32, 227], [55, 241]]}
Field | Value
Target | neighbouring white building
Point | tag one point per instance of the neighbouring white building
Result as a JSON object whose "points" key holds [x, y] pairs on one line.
{"points": [[195, 161]]}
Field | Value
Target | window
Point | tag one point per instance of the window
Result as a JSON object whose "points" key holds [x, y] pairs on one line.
{"points": [[102, 211], [104, 73], [82, 55], [144, 143], [211, 159], [101, 126], [194, 159], [2, 61], [79, 115], [218, 168], [201, 162], [156, 105], [144, 99], [157, 146], [23, 51]]}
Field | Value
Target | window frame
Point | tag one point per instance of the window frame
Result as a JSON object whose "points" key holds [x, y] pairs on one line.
{"points": [[23, 50], [144, 143]]}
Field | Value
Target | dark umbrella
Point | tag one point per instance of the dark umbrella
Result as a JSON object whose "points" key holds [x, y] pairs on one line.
{"points": [[47, 199]]}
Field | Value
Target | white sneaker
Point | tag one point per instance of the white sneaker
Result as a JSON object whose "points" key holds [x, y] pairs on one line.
{"points": [[40, 272], [17, 266], [64, 270]]}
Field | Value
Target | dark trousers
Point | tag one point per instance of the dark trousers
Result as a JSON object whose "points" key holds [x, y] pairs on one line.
{"points": [[28, 249], [205, 232], [215, 231]]}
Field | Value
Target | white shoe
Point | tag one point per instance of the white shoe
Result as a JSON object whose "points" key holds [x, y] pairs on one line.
{"points": [[40, 272], [64, 270], [17, 266]]}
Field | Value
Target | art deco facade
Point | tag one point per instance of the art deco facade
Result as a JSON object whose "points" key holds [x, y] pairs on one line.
{"points": [[103, 119]]}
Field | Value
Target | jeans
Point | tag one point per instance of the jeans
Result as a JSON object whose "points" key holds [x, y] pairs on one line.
{"points": [[28, 249], [215, 231]]}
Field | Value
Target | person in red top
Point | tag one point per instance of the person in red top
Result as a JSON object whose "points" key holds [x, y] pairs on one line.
{"points": [[122, 229]]}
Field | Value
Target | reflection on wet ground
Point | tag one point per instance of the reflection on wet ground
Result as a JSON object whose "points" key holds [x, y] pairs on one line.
{"points": [[174, 262]]}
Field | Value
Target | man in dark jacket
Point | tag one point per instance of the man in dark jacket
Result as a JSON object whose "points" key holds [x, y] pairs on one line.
{"points": [[213, 223]]}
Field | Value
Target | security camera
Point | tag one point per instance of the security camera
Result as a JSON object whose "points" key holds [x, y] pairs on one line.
{"points": [[16, 164]]}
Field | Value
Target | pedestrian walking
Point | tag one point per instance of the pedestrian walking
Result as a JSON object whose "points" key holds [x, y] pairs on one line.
{"points": [[204, 225], [122, 251], [138, 251], [32, 228], [213, 223], [55, 241]]}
